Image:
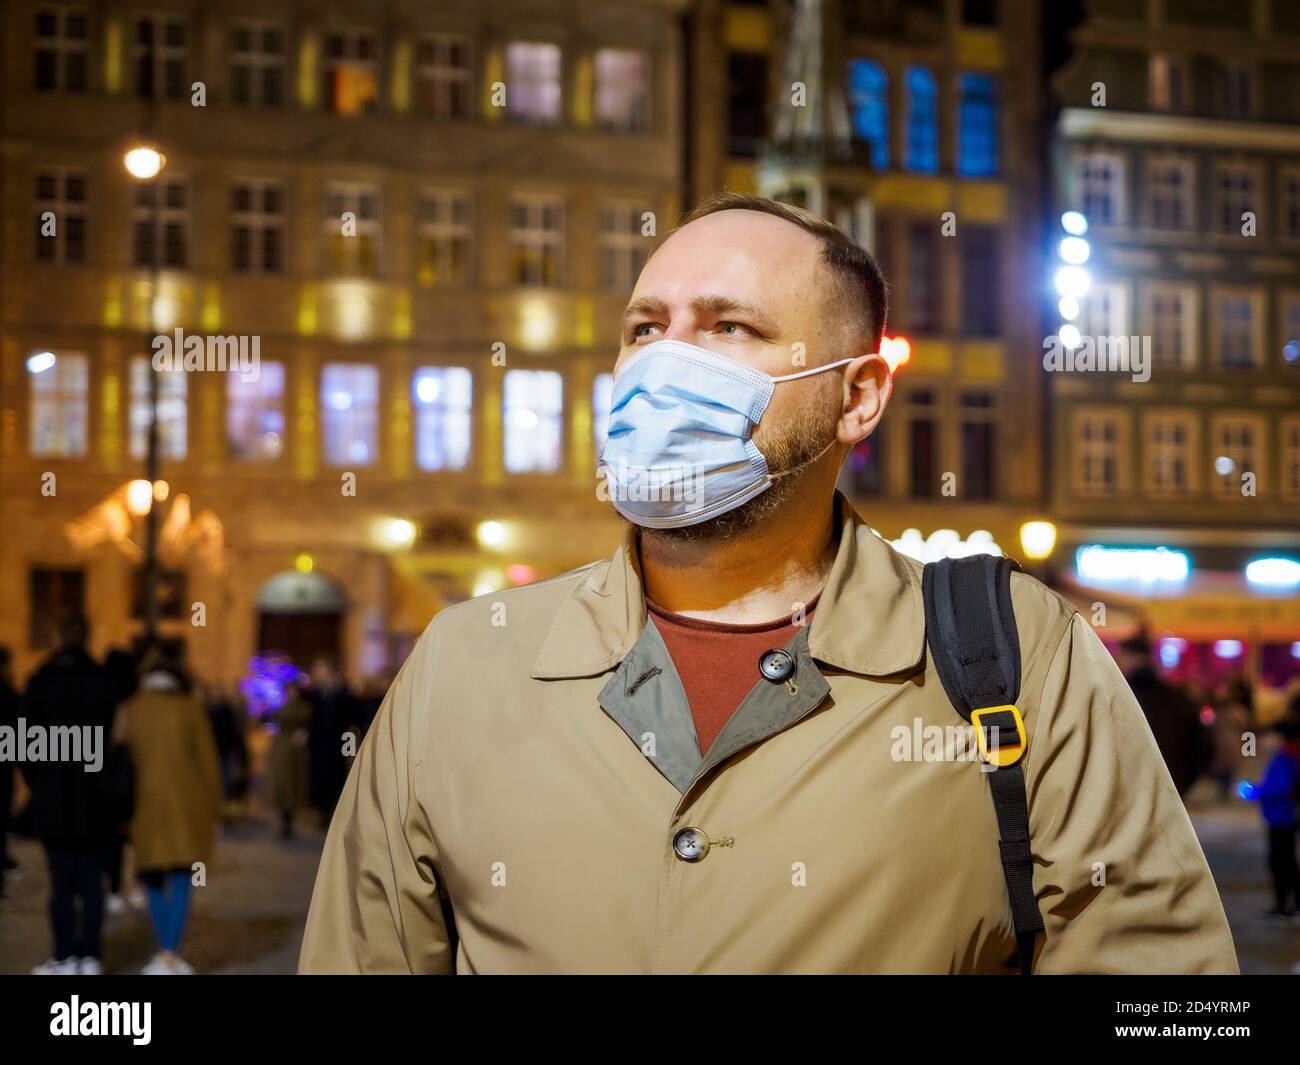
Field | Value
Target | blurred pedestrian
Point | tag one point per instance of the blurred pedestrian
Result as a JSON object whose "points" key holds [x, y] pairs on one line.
{"points": [[224, 712], [1277, 796], [333, 712], [178, 797], [120, 664], [72, 812], [1174, 719], [9, 701], [1232, 720], [287, 768]]}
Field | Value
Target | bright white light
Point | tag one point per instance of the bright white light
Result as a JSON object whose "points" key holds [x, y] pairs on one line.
{"points": [[1037, 538], [143, 163], [1072, 281], [139, 497], [1224, 465], [40, 362], [1170, 653], [1070, 336], [399, 532], [945, 543], [521, 418], [427, 389], [1137, 565], [1227, 648], [491, 533], [1074, 250], [1069, 308], [1274, 573], [1074, 223], [339, 400], [1295, 649]]}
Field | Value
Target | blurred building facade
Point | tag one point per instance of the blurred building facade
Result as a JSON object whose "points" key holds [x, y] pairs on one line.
{"points": [[915, 125], [429, 217], [1179, 142]]}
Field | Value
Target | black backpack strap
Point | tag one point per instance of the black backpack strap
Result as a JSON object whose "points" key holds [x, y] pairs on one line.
{"points": [[971, 631]]}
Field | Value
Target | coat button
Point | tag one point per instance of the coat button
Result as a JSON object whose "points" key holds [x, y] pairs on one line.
{"points": [[691, 844], [776, 665]]}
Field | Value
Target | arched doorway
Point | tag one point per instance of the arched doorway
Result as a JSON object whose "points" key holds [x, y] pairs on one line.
{"points": [[301, 615]]}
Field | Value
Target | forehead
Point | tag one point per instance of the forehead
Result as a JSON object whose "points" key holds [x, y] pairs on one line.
{"points": [[753, 257]]}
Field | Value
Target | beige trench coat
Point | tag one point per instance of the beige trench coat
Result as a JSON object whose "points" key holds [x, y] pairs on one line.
{"points": [[514, 807]]}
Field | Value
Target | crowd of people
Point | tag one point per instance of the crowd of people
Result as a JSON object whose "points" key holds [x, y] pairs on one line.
{"points": [[1216, 732], [178, 758]]}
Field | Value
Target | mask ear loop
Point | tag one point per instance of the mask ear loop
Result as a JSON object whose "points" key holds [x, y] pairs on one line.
{"points": [[803, 465], [815, 369]]}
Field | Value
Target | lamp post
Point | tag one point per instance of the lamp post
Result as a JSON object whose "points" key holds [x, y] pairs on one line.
{"points": [[145, 163]]}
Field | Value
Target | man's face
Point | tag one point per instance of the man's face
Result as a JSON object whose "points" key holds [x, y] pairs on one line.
{"points": [[751, 287]]}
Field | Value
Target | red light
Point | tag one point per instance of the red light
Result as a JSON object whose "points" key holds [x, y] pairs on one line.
{"points": [[520, 573], [1208, 715]]}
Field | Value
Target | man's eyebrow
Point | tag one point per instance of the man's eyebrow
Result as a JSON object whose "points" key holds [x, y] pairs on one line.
{"points": [[652, 307]]}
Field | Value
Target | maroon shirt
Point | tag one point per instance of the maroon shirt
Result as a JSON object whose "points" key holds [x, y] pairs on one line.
{"points": [[718, 664]]}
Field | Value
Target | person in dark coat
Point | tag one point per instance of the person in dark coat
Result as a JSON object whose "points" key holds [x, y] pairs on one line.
{"points": [[1278, 793], [333, 712], [1174, 719], [8, 719], [72, 810]]}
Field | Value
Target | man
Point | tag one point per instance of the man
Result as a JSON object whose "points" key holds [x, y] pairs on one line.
{"points": [[1174, 719], [72, 811], [687, 758]]}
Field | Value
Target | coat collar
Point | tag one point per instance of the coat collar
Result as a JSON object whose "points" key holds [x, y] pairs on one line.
{"points": [[869, 618]]}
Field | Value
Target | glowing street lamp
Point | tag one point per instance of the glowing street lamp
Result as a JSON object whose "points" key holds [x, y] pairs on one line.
{"points": [[144, 163], [1037, 539]]}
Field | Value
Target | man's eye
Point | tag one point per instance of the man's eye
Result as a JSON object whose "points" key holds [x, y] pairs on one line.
{"points": [[734, 329], [642, 330]]}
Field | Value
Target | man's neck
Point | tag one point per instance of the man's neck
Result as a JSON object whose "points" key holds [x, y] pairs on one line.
{"points": [[749, 579]]}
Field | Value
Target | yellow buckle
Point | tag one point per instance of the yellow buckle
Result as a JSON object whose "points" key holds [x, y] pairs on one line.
{"points": [[1005, 754]]}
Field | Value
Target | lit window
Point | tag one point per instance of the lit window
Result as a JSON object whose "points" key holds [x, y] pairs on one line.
{"points": [[623, 90], [533, 410], [354, 246], [977, 125], [869, 107], [533, 82], [257, 63], [536, 240], [257, 227], [60, 43], [623, 248], [255, 413], [445, 238], [922, 153], [58, 386], [442, 76], [61, 191], [349, 399], [602, 397], [443, 402], [161, 57], [352, 72], [1167, 78], [173, 425]]}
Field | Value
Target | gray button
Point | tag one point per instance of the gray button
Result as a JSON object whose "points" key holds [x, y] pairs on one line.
{"points": [[776, 665], [691, 844]]}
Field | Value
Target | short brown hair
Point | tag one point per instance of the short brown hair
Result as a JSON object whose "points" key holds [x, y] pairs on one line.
{"points": [[862, 285]]}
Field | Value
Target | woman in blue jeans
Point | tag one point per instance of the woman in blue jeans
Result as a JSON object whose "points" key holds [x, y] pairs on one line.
{"points": [[177, 799]]}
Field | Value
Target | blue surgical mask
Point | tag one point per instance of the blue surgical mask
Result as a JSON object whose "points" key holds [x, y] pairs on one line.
{"points": [[680, 447]]}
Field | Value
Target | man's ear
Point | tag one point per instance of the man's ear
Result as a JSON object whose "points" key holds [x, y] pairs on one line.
{"points": [[868, 384]]}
